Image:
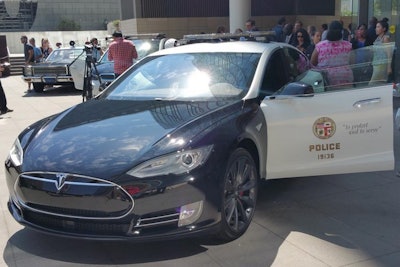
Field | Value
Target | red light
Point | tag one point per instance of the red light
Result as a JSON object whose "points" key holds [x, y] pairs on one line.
{"points": [[131, 189]]}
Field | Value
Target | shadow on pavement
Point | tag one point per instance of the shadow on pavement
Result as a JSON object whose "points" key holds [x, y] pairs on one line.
{"points": [[98, 252]]}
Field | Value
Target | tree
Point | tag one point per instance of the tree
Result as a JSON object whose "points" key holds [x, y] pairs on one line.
{"points": [[68, 25]]}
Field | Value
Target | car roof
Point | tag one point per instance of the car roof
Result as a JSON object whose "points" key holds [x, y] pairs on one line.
{"points": [[220, 47]]}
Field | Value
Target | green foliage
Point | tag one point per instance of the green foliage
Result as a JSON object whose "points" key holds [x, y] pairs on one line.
{"points": [[68, 25], [116, 23]]}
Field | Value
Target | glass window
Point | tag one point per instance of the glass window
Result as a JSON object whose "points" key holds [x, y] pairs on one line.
{"points": [[188, 76]]}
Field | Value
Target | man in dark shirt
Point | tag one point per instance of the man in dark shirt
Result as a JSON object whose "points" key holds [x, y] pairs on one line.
{"points": [[29, 55], [3, 101], [371, 32]]}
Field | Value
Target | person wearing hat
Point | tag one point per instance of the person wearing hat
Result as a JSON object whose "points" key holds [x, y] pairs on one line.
{"points": [[333, 56], [122, 52]]}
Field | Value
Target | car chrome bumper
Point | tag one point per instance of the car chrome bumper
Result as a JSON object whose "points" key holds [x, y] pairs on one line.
{"points": [[48, 79]]}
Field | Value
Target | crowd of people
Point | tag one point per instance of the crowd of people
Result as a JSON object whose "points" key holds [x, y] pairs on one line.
{"points": [[333, 47]]}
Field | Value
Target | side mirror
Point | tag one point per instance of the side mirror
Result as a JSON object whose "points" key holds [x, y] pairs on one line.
{"points": [[298, 89]]}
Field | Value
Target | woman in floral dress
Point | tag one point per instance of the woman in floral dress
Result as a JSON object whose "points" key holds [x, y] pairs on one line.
{"points": [[333, 56]]}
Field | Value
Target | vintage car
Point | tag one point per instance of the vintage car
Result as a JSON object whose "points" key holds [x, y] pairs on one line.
{"points": [[176, 145], [102, 71], [55, 70]]}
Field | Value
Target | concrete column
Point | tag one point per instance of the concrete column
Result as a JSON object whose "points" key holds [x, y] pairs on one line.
{"points": [[239, 12]]}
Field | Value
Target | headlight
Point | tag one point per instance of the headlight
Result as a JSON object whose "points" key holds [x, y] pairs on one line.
{"points": [[176, 163], [16, 153]]}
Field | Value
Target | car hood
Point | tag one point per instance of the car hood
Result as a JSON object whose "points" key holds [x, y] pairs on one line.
{"points": [[105, 138]]}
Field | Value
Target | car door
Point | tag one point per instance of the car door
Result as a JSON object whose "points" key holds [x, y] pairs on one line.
{"points": [[332, 132]]}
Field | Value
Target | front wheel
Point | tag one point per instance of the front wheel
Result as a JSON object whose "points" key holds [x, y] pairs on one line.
{"points": [[240, 186]]}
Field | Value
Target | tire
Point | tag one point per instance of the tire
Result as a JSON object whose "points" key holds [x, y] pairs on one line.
{"points": [[240, 186], [38, 87]]}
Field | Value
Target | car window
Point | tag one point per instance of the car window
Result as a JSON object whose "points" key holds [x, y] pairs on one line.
{"points": [[276, 74], [143, 48], [363, 67], [297, 63], [188, 76], [64, 55]]}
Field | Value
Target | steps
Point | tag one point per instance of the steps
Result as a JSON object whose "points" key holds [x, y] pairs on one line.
{"points": [[17, 63]]}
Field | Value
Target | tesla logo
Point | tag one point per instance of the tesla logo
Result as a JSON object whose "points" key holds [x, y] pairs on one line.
{"points": [[61, 177]]}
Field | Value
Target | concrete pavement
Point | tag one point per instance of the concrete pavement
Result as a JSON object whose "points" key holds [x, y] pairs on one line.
{"points": [[336, 220]]}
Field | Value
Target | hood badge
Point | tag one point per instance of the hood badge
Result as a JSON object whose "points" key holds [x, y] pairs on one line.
{"points": [[60, 181]]}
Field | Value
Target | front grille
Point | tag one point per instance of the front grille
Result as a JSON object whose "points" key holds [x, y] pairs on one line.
{"points": [[85, 227], [50, 71], [73, 196]]}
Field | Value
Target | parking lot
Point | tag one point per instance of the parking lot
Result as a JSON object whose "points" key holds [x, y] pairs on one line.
{"points": [[335, 220]]}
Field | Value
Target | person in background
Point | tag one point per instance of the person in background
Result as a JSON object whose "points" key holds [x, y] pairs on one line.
{"points": [[297, 26], [315, 39], [278, 29], [221, 29], [97, 52], [371, 33], [251, 25], [333, 56], [46, 48], [122, 52], [302, 40], [3, 100], [58, 45], [28, 55], [288, 32], [361, 56], [37, 53], [311, 29], [345, 32], [324, 31], [382, 56]]}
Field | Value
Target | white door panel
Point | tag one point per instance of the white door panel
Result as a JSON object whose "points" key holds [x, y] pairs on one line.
{"points": [[330, 133]]}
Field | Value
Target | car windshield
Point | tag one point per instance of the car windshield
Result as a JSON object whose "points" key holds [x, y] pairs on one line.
{"points": [[64, 55], [143, 48], [195, 76]]}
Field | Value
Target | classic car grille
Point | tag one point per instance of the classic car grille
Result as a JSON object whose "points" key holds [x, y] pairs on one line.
{"points": [[73, 196], [50, 71]]}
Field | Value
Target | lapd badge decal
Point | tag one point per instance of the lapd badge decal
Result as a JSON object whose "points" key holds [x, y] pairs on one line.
{"points": [[324, 128]]}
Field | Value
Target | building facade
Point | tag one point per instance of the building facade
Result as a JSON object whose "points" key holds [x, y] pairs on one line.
{"points": [[180, 17], [46, 15]]}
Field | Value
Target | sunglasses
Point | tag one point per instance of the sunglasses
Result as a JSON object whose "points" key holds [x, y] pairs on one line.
{"points": [[299, 36]]}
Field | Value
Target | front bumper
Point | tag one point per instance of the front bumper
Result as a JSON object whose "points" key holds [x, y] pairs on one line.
{"points": [[111, 214], [49, 79]]}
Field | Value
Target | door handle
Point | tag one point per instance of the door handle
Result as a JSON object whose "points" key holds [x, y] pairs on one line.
{"points": [[365, 102]]}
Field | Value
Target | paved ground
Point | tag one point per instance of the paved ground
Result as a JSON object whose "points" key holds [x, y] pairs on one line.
{"points": [[337, 220]]}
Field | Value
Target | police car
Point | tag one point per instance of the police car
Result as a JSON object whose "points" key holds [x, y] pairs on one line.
{"points": [[177, 145]]}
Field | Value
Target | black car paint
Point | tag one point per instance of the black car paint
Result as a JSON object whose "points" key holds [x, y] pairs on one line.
{"points": [[222, 123]]}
